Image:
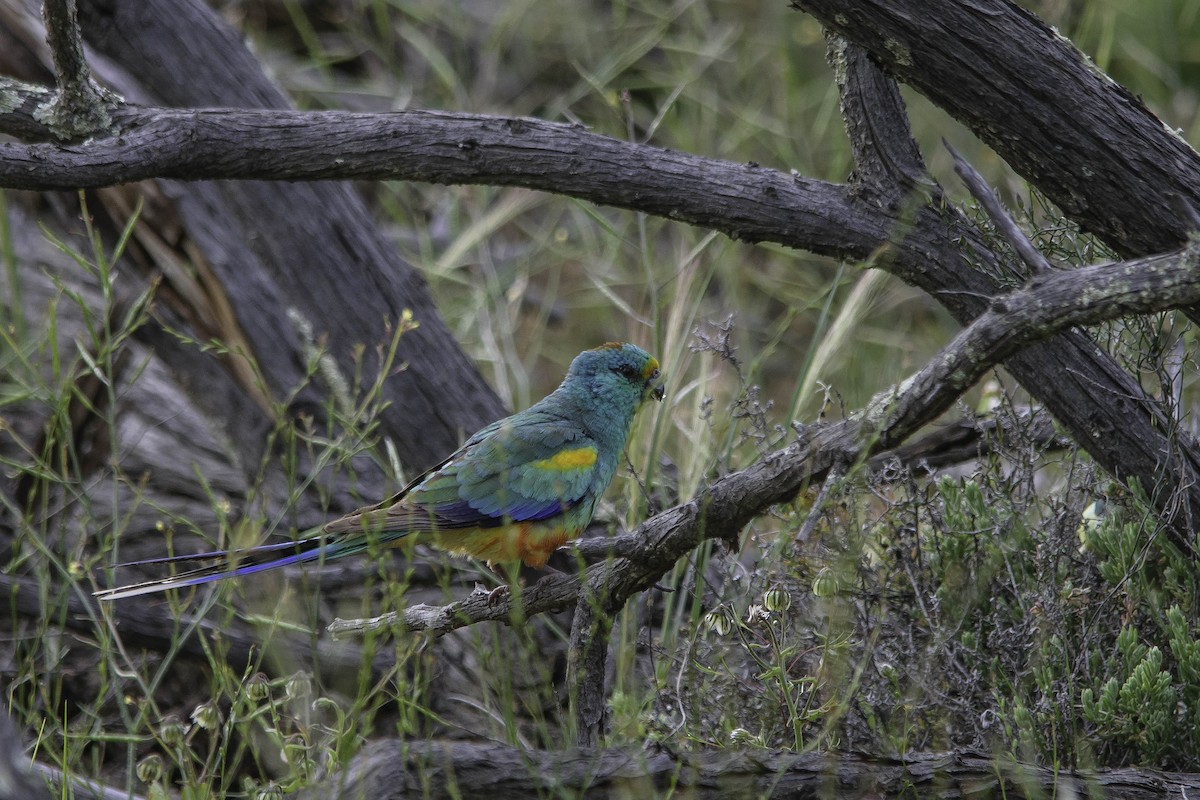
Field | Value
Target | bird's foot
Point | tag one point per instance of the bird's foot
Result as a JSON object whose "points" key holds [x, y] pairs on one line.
{"points": [[499, 593]]}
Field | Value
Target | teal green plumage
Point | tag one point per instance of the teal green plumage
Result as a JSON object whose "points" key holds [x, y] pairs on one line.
{"points": [[516, 490]]}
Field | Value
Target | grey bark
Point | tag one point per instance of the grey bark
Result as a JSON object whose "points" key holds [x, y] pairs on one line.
{"points": [[278, 246], [1087, 142], [392, 770]]}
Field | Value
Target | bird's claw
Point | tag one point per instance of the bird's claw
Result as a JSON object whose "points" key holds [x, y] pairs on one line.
{"points": [[499, 593]]}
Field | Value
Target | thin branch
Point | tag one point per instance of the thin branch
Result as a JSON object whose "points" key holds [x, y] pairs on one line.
{"points": [[968, 439], [818, 507], [1004, 223], [1048, 303]]}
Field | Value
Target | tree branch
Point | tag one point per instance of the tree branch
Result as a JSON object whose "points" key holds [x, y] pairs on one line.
{"points": [[81, 107], [1087, 142], [437, 147], [1004, 223], [1094, 399], [1048, 303], [500, 772]]}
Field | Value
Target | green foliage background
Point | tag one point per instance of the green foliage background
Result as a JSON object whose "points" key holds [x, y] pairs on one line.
{"points": [[995, 607]]}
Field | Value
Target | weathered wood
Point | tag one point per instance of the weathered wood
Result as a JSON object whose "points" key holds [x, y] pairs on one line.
{"points": [[391, 770], [1100, 404], [312, 249], [1084, 140]]}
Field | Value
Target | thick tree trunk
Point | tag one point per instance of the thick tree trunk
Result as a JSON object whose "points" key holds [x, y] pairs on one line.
{"points": [[281, 248]]}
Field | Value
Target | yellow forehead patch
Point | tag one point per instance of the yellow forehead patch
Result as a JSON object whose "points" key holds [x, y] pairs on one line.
{"points": [[650, 368], [578, 458]]}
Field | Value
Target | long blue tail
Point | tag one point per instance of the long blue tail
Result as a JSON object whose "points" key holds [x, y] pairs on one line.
{"points": [[229, 564]]}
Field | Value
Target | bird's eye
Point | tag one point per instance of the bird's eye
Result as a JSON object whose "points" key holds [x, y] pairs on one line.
{"points": [[626, 371]]}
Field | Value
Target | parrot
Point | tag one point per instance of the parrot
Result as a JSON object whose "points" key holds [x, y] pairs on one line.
{"points": [[517, 490]]}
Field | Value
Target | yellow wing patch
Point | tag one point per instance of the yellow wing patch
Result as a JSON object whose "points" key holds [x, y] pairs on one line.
{"points": [[578, 458]]}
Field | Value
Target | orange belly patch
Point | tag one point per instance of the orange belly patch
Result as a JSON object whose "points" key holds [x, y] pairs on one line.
{"points": [[531, 542]]}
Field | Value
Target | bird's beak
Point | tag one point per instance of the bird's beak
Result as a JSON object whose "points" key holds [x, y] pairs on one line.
{"points": [[655, 382]]}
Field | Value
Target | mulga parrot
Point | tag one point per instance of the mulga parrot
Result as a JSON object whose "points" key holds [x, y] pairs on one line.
{"points": [[516, 490]]}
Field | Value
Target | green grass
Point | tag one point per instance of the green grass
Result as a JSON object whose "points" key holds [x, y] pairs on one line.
{"points": [[917, 609]]}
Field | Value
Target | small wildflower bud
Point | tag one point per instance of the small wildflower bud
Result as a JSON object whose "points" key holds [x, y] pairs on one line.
{"points": [[718, 622], [298, 686], [258, 687], [172, 730], [740, 737], [825, 583], [150, 769], [77, 569], [1078, 597], [207, 716], [270, 791], [776, 600]]}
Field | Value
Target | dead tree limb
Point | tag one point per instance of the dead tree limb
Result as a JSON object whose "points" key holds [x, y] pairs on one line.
{"points": [[1087, 142], [477, 769]]}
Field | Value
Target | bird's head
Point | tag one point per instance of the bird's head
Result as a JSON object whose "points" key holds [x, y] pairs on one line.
{"points": [[619, 371]]}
